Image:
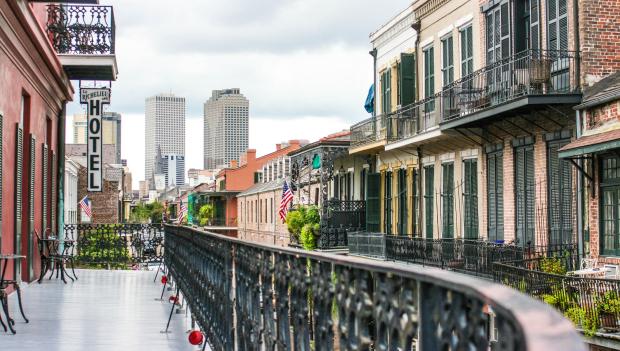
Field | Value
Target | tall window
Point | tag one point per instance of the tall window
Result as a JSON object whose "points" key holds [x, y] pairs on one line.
{"points": [[386, 91], [447, 60], [387, 203], [447, 200], [467, 52], [470, 198], [525, 191], [429, 190], [402, 202], [429, 77], [557, 21], [495, 193], [610, 205]]}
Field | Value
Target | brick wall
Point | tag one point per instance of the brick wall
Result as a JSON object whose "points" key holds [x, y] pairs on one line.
{"points": [[600, 115], [599, 37], [104, 204]]}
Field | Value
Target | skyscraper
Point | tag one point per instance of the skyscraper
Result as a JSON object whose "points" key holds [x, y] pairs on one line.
{"points": [[226, 116], [165, 128], [111, 131]]}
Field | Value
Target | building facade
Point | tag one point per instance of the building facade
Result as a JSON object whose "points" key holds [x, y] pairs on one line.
{"points": [[36, 73], [226, 124], [111, 132], [474, 100], [174, 169], [165, 129], [71, 191]]}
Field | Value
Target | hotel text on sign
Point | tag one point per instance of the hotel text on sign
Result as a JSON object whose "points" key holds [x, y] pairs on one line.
{"points": [[95, 98]]}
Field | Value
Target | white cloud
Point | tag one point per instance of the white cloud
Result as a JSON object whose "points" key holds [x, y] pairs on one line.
{"points": [[303, 64]]}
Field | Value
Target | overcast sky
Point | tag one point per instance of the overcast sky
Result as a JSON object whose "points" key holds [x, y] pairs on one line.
{"points": [[303, 64]]}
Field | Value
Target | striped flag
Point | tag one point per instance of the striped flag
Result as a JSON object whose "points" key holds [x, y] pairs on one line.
{"points": [[85, 205], [287, 198], [182, 212]]}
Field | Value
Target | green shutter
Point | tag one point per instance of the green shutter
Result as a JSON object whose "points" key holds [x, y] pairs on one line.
{"points": [[19, 164], [402, 202], [534, 24], [1, 174], [560, 194], [447, 200], [54, 171], [373, 205], [407, 79], [30, 234], [429, 190], [470, 195], [557, 24], [414, 205], [525, 194], [495, 195], [45, 190], [387, 203]]}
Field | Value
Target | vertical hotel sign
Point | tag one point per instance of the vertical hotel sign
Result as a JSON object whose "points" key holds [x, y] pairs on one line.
{"points": [[94, 98]]}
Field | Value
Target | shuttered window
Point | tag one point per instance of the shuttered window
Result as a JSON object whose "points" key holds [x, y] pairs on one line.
{"points": [[429, 190], [19, 167], [407, 79], [534, 37], [610, 205], [33, 154], [557, 24], [495, 195], [54, 171], [467, 51], [560, 195], [415, 201], [402, 202], [1, 174], [387, 203], [429, 77], [525, 194], [386, 91], [447, 200], [498, 44], [447, 60], [45, 190], [373, 206], [470, 199]]}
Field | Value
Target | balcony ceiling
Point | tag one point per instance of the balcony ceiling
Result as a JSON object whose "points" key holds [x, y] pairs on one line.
{"points": [[90, 67]]}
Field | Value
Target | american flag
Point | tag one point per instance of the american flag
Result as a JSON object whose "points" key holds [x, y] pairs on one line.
{"points": [[182, 212], [85, 205], [287, 198]]}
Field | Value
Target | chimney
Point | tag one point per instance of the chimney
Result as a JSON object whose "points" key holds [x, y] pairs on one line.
{"points": [[251, 155], [278, 147]]}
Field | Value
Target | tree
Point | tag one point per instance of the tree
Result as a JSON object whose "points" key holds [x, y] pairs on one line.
{"points": [[205, 214]]}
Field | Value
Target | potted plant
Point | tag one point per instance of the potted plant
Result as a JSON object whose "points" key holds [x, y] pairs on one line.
{"points": [[609, 310]]}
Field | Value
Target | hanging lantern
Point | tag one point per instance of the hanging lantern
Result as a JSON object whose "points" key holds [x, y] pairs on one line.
{"points": [[164, 279], [173, 299], [195, 337]]}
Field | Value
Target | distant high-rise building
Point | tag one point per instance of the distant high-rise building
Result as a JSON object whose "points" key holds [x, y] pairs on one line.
{"points": [[111, 131], [165, 129], [174, 169], [226, 116]]}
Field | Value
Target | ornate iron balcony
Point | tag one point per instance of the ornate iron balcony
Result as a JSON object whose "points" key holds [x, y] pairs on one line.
{"points": [[247, 296], [81, 29], [370, 130]]}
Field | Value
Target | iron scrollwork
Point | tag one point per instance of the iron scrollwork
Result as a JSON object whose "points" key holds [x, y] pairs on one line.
{"points": [[81, 29], [254, 297]]}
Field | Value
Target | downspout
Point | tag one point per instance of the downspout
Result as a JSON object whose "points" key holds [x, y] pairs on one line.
{"points": [[60, 141], [580, 212], [577, 45], [416, 27]]}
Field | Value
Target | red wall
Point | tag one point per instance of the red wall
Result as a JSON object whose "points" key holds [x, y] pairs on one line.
{"points": [[28, 67]]}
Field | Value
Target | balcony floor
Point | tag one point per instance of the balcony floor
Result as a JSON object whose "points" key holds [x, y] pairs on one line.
{"points": [[103, 310]]}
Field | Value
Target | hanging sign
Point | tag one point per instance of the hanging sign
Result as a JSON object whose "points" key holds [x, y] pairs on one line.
{"points": [[94, 98]]}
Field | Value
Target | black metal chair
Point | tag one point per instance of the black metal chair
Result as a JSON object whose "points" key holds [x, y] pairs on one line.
{"points": [[59, 260], [4, 301]]}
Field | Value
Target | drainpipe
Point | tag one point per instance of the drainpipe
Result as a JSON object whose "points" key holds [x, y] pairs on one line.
{"points": [[577, 44], [416, 27], [60, 141], [580, 244]]}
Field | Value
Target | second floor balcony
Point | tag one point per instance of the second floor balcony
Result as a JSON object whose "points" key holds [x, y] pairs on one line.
{"points": [[84, 39]]}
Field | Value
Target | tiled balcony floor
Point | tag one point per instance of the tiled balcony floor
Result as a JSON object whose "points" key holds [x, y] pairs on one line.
{"points": [[103, 310]]}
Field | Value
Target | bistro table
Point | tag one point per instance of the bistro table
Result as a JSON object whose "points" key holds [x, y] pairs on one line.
{"points": [[4, 284], [594, 272], [55, 259]]}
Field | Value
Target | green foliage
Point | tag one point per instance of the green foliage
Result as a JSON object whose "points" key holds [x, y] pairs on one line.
{"points": [[142, 213], [553, 265], [560, 299], [103, 249], [205, 214], [609, 303], [303, 224]]}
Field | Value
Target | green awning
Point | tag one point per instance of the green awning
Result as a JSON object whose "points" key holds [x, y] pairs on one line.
{"points": [[591, 144], [316, 161]]}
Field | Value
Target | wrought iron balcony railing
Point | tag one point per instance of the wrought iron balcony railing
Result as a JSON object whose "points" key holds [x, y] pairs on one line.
{"points": [[248, 296], [343, 216], [530, 72], [81, 29], [370, 130]]}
